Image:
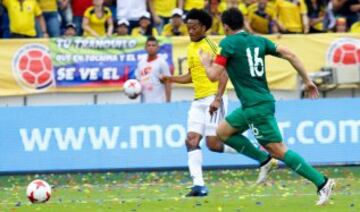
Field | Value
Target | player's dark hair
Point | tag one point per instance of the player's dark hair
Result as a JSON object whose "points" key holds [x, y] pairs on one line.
{"points": [[152, 38], [233, 18], [201, 15]]}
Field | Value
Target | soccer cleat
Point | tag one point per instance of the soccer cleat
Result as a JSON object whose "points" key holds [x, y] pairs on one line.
{"points": [[198, 191], [325, 192], [265, 170]]}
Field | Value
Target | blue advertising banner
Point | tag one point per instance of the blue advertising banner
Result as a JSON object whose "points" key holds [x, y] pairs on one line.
{"points": [[89, 62], [134, 136]]}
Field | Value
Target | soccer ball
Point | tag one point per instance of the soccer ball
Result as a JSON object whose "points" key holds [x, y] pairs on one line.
{"points": [[38, 191], [346, 54], [132, 88], [35, 67]]}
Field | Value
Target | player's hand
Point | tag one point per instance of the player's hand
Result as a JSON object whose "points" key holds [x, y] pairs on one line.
{"points": [[214, 106], [311, 90], [205, 58]]}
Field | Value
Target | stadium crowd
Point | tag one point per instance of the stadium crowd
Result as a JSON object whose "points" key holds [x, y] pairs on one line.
{"points": [[53, 18]]}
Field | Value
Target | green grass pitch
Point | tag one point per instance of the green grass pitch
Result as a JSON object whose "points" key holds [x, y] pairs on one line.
{"points": [[230, 190]]}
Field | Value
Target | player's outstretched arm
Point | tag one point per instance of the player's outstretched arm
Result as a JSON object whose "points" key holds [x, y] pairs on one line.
{"points": [[181, 79], [310, 87]]}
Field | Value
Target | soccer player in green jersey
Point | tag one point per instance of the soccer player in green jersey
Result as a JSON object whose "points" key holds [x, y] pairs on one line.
{"points": [[242, 55]]}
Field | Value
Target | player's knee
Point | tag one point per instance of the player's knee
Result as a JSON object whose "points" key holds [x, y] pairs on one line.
{"points": [[221, 135], [276, 150], [192, 142], [215, 144]]}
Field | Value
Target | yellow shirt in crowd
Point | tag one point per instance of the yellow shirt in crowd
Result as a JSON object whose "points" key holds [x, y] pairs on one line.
{"points": [[191, 4], [138, 32], [355, 28], [203, 87], [259, 23], [48, 5], [22, 16], [289, 14], [168, 30], [242, 7], [97, 24], [164, 8]]}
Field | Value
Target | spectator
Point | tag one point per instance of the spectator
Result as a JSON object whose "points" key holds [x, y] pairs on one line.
{"points": [[131, 10], [65, 13], [50, 13], [148, 72], [96, 18], [112, 5], [176, 27], [161, 11], [341, 26], [122, 28], [243, 9], [78, 9], [145, 27], [316, 13], [291, 16], [262, 17], [216, 27], [70, 30], [187, 5], [22, 22], [348, 9], [355, 28]]}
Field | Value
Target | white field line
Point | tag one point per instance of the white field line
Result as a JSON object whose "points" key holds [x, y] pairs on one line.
{"points": [[175, 198], [134, 186]]}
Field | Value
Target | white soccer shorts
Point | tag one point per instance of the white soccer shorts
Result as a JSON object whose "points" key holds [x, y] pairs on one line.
{"points": [[199, 119]]}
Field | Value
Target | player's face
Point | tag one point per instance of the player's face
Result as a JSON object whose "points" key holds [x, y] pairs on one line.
{"points": [[196, 30], [152, 47]]}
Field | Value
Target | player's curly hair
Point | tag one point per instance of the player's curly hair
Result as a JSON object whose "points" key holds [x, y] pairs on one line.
{"points": [[233, 18], [201, 15]]}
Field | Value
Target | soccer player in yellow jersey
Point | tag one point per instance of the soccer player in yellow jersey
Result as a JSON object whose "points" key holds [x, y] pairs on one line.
{"points": [[209, 105]]}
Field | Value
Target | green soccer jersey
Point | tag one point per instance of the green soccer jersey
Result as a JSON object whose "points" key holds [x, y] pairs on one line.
{"points": [[245, 66]]}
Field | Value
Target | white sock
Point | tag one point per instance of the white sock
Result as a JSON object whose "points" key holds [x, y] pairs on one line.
{"points": [[195, 160], [229, 149]]}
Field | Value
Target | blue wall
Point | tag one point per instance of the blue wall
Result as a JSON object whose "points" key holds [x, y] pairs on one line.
{"points": [[152, 136]]}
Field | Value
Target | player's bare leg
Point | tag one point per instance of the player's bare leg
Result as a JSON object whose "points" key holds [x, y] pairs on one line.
{"points": [[214, 144], [195, 160], [241, 144], [300, 166]]}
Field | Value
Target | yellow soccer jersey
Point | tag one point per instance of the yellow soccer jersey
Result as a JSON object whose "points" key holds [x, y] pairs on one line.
{"points": [[355, 28], [97, 24], [48, 5], [289, 14], [203, 87], [191, 4], [164, 8], [23, 16]]}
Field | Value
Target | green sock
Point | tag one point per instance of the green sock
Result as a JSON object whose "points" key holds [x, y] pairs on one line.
{"points": [[300, 166], [244, 146]]}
